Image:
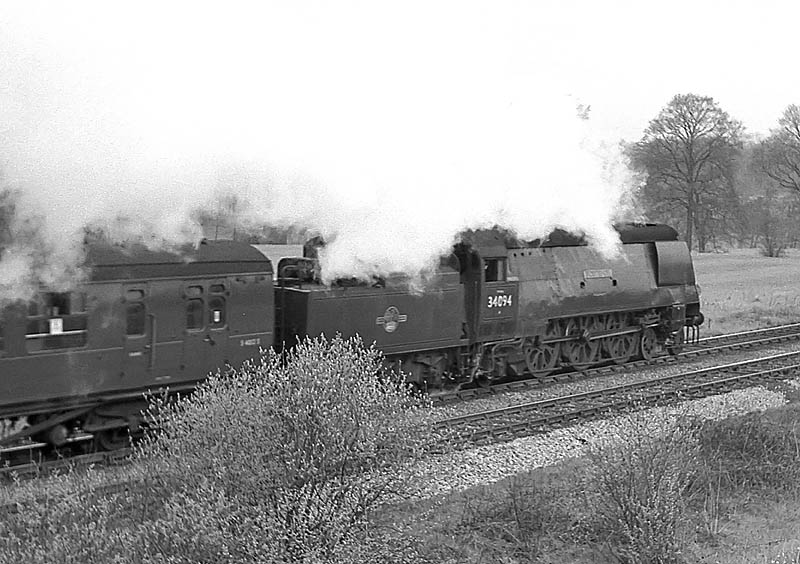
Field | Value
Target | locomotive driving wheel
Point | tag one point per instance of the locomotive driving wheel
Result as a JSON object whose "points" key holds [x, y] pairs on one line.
{"points": [[619, 348], [541, 360], [581, 352], [648, 345]]}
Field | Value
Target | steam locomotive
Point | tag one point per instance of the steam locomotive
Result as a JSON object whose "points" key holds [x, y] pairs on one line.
{"points": [[74, 365]]}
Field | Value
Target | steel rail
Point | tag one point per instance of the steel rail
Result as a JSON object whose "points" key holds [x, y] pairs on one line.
{"points": [[543, 415], [707, 346], [36, 468]]}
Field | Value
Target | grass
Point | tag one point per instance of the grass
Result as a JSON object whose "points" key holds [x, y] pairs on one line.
{"points": [[725, 492], [743, 290]]}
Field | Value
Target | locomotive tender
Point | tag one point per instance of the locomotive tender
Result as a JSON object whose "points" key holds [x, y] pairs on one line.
{"points": [[74, 365]]}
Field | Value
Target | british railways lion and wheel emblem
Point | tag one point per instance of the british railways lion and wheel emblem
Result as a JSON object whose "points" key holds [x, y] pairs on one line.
{"points": [[391, 319]]}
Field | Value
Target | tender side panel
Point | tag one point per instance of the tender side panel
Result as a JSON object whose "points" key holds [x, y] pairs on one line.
{"points": [[396, 319]]}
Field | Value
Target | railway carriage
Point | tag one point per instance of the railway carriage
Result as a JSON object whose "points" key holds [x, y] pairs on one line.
{"points": [[143, 320]]}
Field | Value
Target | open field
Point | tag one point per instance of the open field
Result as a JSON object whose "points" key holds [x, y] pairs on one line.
{"points": [[743, 290]]}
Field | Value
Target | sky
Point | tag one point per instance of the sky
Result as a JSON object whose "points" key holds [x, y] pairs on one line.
{"points": [[387, 127], [627, 59]]}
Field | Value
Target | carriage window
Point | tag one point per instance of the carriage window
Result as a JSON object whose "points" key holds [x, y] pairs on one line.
{"points": [[194, 291], [135, 314], [135, 318], [57, 321], [134, 295], [194, 313], [216, 311], [494, 270]]}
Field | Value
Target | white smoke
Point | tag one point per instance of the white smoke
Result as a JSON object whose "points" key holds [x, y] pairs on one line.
{"points": [[386, 130]]}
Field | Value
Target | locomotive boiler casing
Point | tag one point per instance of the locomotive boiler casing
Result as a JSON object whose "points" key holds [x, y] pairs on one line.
{"points": [[565, 295], [569, 281]]}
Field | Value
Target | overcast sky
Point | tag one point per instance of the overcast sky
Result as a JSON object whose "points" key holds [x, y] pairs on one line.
{"points": [[411, 119], [151, 62]]}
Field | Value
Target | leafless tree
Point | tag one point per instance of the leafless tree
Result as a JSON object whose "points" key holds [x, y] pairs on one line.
{"points": [[779, 154], [688, 152]]}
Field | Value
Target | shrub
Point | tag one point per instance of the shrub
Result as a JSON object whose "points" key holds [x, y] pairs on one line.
{"points": [[283, 458], [518, 518], [68, 520], [637, 485], [280, 461]]}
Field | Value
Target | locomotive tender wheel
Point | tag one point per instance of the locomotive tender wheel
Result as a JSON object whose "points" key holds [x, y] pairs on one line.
{"points": [[648, 346], [622, 347], [581, 353]]}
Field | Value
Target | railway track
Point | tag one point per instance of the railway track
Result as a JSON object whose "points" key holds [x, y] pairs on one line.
{"points": [[525, 419], [43, 467], [36, 463], [707, 346]]}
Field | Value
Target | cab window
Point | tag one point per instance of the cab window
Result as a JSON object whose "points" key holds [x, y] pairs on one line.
{"points": [[494, 270]]}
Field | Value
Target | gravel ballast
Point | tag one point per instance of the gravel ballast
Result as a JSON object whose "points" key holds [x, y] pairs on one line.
{"points": [[441, 474]]}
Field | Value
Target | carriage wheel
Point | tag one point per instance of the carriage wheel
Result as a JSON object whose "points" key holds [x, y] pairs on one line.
{"points": [[648, 346], [622, 347], [113, 439], [581, 353]]}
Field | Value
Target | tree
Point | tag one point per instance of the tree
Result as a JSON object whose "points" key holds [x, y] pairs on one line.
{"points": [[779, 154], [769, 208], [688, 152]]}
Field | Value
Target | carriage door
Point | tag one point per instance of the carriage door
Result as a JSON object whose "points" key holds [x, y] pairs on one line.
{"points": [[139, 336], [206, 337]]}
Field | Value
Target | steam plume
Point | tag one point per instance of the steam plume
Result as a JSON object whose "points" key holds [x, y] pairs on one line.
{"points": [[387, 132]]}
